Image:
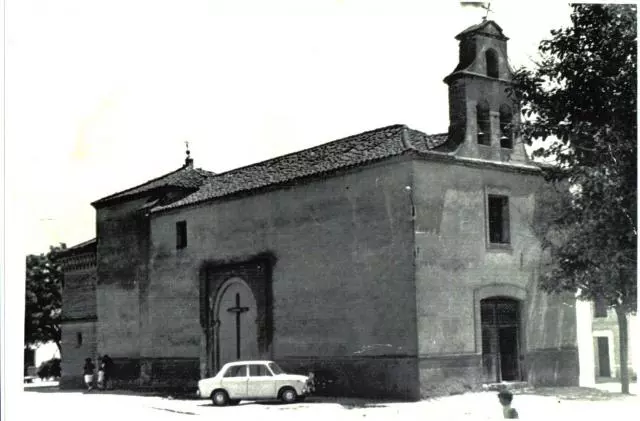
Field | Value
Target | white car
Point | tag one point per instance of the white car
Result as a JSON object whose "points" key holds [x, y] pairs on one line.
{"points": [[253, 380]]}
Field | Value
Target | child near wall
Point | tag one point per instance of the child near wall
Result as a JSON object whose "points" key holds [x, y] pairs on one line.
{"points": [[88, 373]]}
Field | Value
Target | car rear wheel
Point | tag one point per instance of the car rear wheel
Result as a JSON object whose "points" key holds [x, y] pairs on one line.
{"points": [[288, 395], [220, 398]]}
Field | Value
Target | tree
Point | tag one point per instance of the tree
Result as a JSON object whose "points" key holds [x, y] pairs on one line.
{"points": [[581, 99], [43, 298]]}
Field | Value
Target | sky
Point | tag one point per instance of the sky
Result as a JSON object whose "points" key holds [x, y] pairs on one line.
{"points": [[100, 96]]}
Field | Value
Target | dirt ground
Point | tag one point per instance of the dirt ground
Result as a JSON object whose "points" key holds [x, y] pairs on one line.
{"points": [[39, 401]]}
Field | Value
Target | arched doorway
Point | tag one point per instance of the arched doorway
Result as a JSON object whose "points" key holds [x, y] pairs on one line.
{"points": [[234, 322], [501, 333]]}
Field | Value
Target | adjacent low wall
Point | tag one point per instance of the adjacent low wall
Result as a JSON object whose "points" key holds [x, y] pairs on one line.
{"points": [[553, 367]]}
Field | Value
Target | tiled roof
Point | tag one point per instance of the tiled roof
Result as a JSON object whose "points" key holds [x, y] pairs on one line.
{"points": [[348, 152], [185, 177]]}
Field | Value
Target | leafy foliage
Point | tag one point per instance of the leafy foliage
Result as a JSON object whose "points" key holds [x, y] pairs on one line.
{"points": [[583, 96], [43, 298], [50, 368]]}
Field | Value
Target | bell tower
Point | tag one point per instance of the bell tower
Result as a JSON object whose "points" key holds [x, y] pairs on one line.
{"points": [[483, 118]]}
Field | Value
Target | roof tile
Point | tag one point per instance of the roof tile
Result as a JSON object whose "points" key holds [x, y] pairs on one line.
{"points": [[348, 152]]}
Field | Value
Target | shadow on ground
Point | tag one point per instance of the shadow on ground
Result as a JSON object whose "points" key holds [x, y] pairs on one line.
{"points": [[347, 403], [573, 393], [56, 389], [561, 393]]}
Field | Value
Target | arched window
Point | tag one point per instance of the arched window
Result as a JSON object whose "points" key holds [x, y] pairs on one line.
{"points": [[483, 124], [506, 124], [492, 63]]}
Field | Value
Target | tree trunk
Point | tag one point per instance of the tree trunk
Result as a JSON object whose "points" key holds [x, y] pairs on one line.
{"points": [[624, 348]]}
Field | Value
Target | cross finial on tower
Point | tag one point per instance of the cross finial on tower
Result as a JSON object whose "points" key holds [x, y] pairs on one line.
{"points": [[482, 4], [188, 162], [488, 9]]}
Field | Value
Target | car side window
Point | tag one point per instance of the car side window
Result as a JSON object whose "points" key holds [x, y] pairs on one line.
{"points": [[236, 371], [259, 370]]}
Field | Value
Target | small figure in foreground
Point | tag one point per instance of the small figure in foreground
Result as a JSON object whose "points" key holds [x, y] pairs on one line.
{"points": [[88, 373], [505, 397]]}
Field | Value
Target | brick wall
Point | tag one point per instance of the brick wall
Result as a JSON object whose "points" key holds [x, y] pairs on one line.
{"points": [[79, 294], [74, 352], [79, 313]]}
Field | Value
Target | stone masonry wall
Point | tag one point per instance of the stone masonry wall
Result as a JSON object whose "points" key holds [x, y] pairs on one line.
{"points": [[123, 234], [455, 265], [343, 289]]}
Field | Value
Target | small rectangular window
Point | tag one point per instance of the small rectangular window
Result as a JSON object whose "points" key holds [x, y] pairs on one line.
{"points": [[600, 308], [499, 220], [181, 234]]}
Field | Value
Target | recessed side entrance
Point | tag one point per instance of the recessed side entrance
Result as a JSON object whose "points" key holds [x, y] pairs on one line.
{"points": [[500, 321], [604, 368]]}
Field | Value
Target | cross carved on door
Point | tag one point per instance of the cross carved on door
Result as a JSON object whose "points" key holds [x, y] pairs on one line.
{"points": [[238, 310]]}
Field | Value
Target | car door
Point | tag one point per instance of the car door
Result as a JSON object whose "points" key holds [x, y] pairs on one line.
{"points": [[235, 380], [261, 382]]}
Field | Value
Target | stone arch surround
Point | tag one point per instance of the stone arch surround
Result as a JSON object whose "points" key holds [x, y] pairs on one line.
{"points": [[498, 290]]}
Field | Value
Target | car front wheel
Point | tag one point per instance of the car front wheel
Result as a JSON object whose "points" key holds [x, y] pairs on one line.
{"points": [[220, 398], [288, 395]]}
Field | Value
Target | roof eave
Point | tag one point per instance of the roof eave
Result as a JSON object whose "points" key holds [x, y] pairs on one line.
{"points": [[173, 207], [108, 201], [123, 193], [478, 27]]}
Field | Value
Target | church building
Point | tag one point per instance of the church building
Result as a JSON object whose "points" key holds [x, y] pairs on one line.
{"points": [[392, 263]]}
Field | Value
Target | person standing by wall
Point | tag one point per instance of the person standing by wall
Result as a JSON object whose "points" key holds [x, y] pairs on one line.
{"points": [[107, 366], [88, 373], [101, 382]]}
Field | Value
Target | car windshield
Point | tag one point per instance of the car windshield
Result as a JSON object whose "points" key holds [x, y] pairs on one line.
{"points": [[276, 368]]}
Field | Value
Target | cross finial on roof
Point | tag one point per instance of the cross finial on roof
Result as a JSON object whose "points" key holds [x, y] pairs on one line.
{"points": [[188, 162]]}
